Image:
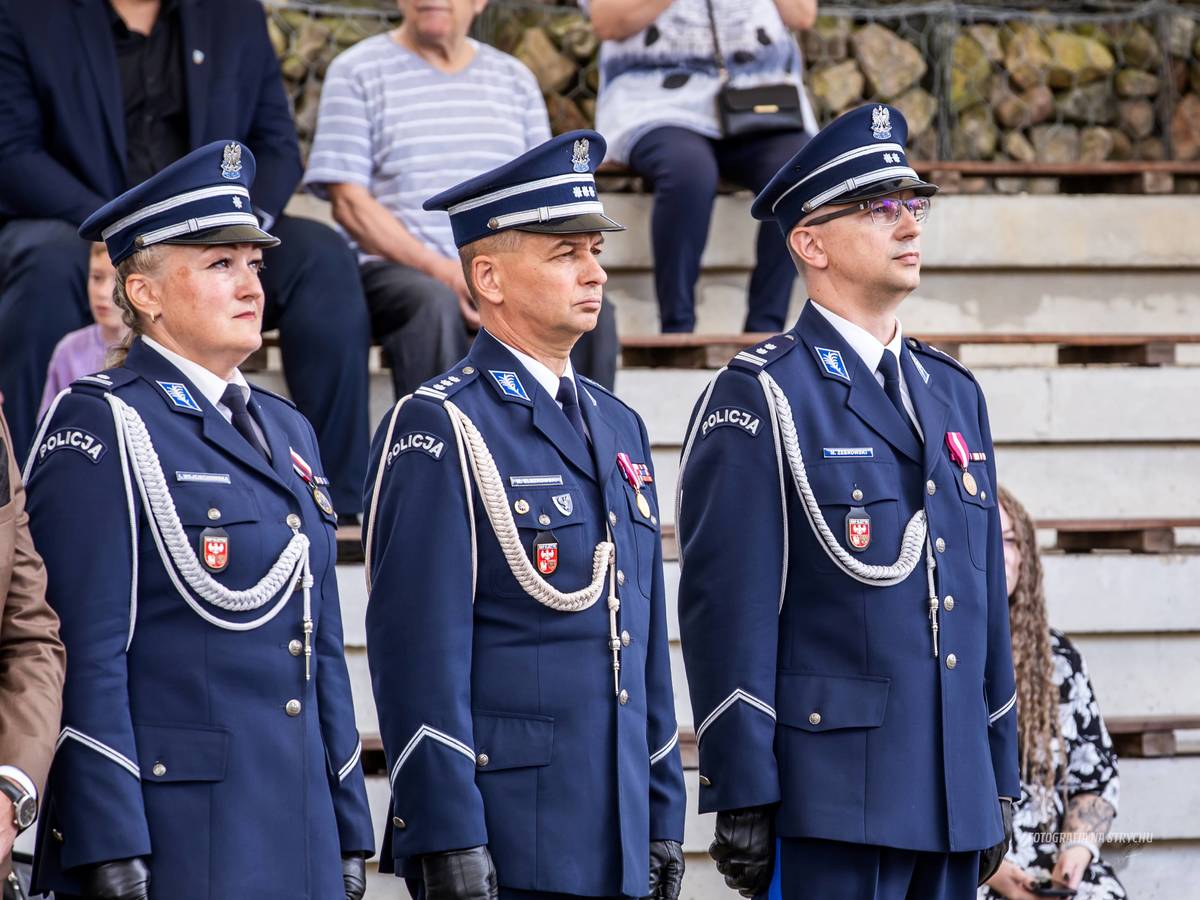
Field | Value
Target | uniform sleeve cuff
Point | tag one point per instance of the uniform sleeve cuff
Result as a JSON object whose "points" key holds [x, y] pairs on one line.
{"points": [[12, 773]]}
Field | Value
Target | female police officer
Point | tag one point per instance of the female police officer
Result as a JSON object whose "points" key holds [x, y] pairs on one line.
{"points": [[208, 747]]}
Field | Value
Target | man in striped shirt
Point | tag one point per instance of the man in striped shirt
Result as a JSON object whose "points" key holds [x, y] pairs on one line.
{"points": [[403, 116]]}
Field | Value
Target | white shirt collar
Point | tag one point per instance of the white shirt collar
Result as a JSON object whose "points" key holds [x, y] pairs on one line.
{"points": [[211, 385], [540, 372], [865, 344]]}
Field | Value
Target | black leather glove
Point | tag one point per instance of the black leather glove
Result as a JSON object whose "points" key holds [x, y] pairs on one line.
{"points": [[666, 870], [354, 876], [744, 848], [122, 879], [990, 859], [460, 875]]}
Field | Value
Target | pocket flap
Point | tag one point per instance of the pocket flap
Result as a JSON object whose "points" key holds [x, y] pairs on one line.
{"points": [[546, 508], [635, 510], [828, 702], [511, 741], [181, 753], [983, 495], [834, 483], [205, 505]]}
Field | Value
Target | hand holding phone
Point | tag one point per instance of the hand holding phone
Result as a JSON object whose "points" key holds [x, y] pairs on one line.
{"points": [[1050, 889]]}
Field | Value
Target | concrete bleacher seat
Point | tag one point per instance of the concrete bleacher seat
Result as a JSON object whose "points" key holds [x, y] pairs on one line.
{"points": [[1104, 452]]}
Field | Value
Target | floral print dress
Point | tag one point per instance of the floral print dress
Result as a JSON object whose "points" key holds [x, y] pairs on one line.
{"points": [[1091, 768]]}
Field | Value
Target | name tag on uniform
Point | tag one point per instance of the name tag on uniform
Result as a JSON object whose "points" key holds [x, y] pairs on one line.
{"points": [[848, 452], [203, 477], [535, 481]]}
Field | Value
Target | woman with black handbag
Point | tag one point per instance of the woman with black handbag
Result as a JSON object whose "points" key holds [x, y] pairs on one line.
{"points": [[692, 91]]}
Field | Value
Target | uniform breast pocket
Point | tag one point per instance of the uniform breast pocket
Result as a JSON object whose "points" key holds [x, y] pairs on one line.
{"points": [[643, 512], [224, 528], [978, 498], [550, 521], [860, 502]]}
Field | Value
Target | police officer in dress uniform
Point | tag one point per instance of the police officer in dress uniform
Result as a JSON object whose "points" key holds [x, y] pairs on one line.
{"points": [[517, 626], [842, 603], [208, 747]]}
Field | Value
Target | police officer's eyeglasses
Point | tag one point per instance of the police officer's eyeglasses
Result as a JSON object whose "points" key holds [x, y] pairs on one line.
{"points": [[883, 210]]}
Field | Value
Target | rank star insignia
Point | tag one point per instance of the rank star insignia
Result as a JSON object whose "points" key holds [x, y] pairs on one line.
{"points": [[231, 161], [580, 161], [237, 202], [881, 123]]}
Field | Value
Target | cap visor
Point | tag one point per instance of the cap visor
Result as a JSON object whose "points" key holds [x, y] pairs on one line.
{"points": [[883, 188], [228, 234], [575, 225]]}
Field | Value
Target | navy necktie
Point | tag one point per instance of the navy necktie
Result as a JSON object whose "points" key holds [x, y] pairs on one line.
{"points": [[889, 368], [570, 406], [236, 404]]}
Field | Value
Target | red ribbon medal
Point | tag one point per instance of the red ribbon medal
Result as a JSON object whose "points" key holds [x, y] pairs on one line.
{"points": [[959, 452]]}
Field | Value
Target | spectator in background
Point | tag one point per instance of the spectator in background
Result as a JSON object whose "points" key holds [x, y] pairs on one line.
{"points": [[83, 352], [403, 116], [1068, 768], [657, 109], [98, 95]]}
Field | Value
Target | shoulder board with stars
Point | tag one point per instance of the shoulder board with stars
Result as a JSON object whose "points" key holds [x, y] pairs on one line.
{"points": [[103, 382], [755, 358], [935, 353], [279, 397], [447, 384]]}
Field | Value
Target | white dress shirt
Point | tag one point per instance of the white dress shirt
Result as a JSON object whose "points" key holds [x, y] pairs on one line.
{"points": [[868, 347], [209, 384]]}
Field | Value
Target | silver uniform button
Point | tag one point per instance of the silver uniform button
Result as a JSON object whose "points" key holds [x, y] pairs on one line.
{"points": [[951, 661], [468, 370], [398, 822], [623, 697], [295, 647], [983, 495], [857, 494], [482, 760], [626, 640], [620, 577], [814, 718], [612, 518], [940, 545], [293, 520], [704, 782], [159, 770], [56, 834], [292, 708], [931, 487], [214, 513], [948, 603], [543, 519]]}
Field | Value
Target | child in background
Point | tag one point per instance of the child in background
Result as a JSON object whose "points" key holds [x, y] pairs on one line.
{"points": [[82, 352]]}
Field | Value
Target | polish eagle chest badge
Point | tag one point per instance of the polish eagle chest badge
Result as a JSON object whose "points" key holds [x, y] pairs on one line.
{"points": [[858, 529], [214, 549], [545, 552]]}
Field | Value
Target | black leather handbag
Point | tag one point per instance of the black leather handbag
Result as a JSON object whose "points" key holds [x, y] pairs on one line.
{"points": [[764, 107]]}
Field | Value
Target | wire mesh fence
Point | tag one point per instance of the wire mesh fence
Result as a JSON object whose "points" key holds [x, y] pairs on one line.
{"points": [[1051, 83]]}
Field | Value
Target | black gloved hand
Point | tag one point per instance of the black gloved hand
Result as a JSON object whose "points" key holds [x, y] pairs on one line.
{"points": [[122, 879], [666, 870], [990, 859], [460, 875], [744, 848], [354, 876]]}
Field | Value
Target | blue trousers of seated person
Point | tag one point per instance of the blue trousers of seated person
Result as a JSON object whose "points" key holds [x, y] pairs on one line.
{"points": [[313, 296], [815, 869], [684, 168]]}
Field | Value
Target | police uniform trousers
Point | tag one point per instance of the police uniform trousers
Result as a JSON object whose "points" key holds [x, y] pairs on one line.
{"points": [[416, 888], [313, 298], [815, 869]]}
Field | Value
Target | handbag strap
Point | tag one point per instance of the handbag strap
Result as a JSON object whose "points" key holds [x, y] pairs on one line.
{"points": [[718, 56]]}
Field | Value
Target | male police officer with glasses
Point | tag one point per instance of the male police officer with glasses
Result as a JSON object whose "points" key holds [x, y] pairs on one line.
{"points": [[842, 601]]}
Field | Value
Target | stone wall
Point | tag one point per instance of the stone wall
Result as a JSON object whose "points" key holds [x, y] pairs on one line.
{"points": [[1056, 85]]}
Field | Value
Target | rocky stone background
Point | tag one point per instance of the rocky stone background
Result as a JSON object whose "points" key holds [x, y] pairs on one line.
{"points": [[1059, 83]]}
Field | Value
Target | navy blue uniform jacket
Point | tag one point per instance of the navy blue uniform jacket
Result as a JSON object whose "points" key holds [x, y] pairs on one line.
{"points": [[62, 124], [499, 715], [178, 743], [811, 689]]}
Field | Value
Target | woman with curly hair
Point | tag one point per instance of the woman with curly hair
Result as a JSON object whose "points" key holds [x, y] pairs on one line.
{"points": [[1068, 768]]}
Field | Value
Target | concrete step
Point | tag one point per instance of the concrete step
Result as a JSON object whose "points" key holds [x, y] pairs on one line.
{"points": [[1026, 405]]}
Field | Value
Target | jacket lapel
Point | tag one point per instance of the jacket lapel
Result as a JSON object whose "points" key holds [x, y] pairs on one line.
{"points": [[281, 450], [195, 19], [932, 409], [604, 436], [837, 361], [95, 34]]}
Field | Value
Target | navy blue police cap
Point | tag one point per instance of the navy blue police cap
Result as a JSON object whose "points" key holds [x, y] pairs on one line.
{"points": [[549, 189], [857, 156], [201, 198]]}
